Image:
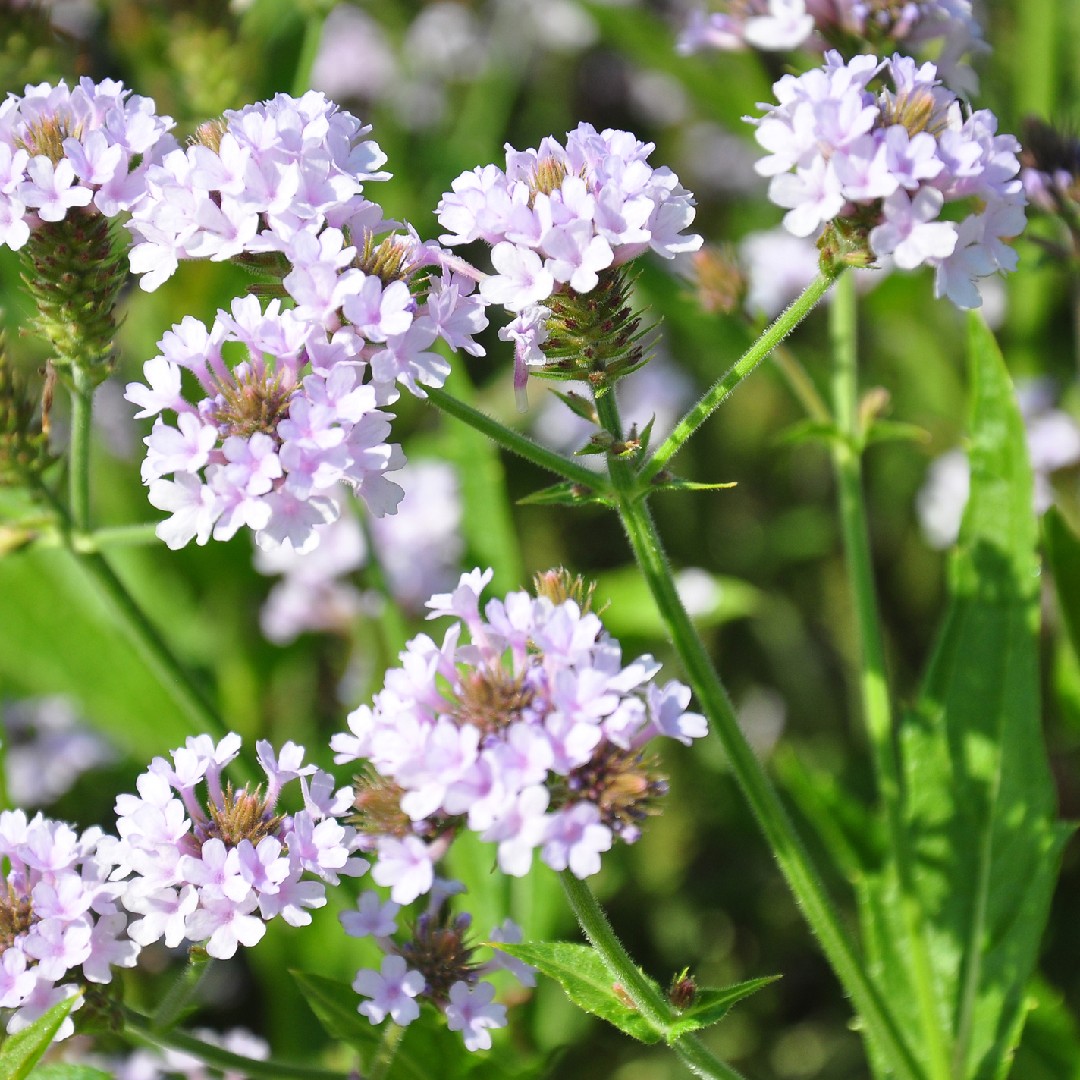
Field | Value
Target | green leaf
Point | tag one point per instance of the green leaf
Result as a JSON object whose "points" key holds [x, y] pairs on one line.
{"points": [[63, 1071], [1063, 554], [334, 1004], [1050, 1048], [711, 1005], [678, 484], [711, 599], [578, 404], [19, 1053], [804, 431], [580, 971], [566, 493], [979, 808], [895, 431]]}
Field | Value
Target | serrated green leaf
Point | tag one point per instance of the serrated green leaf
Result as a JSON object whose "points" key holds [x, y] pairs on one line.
{"points": [[979, 807], [712, 1004], [566, 493], [579, 970], [1063, 554], [64, 1071], [19, 1053]]}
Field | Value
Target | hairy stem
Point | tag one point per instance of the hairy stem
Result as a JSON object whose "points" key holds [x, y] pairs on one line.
{"points": [[787, 847], [874, 693], [726, 384], [649, 1001]]}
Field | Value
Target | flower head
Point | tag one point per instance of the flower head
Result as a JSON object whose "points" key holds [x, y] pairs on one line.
{"points": [[216, 867], [531, 733], [878, 167], [63, 149], [850, 26], [60, 924]]}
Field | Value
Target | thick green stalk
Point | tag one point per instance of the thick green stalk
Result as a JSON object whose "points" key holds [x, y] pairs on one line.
{"points": [[183, 989], [875, 696], [788, 849], [139, 1027], [726, 384], [650, 1003], [79, 455], [518, 444], [386, 1051]]}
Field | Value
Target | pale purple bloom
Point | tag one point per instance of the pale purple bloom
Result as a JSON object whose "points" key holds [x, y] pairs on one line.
{"points": [[214, 868], [372, 917], [817, 25], [517, 730], [391, 991], [558, 217], [472, 1012], [889, 162], [65, 926], [47, 748], [62, 149]]}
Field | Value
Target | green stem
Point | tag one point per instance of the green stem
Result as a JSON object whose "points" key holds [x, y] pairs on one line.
{"points": [[517, 443], [184, 987], [649, 1001], [875, 696], [46, 534], [386, 1052], [139, 1027], [82, 396], [768, 810], [724, 386]]}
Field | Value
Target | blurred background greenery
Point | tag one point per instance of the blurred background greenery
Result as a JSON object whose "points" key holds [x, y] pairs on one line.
{"points": [[445, 85]]}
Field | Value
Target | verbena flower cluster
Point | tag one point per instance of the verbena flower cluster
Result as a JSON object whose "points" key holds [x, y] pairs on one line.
{"points": [[532, 734], [558, 216], [216, 867], [64, 149], [884, 165], [60, 923], [433, 960], [881, 25], [299, 411]]}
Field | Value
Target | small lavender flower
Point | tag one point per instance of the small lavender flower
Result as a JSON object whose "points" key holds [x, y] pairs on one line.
{"points": [[879, 167], [846, 25], [433, 960], [59, 920], [68, 149], [559, 218], [533, 735], [216, 868], [251, 181]]}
